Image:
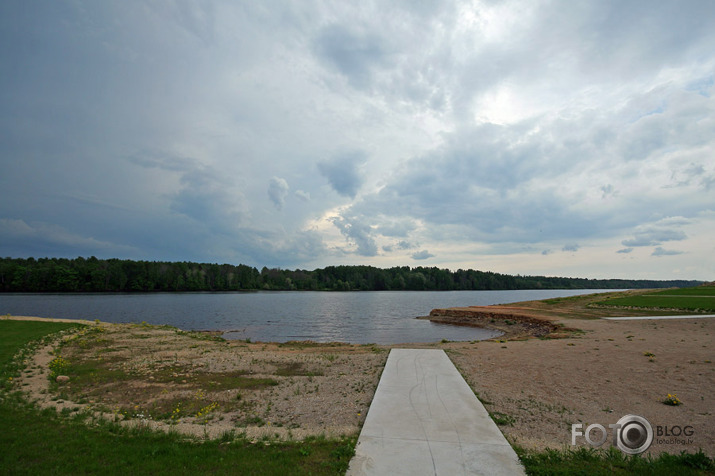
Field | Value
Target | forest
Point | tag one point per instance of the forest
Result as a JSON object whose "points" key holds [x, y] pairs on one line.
{"points": [[115, 275]]}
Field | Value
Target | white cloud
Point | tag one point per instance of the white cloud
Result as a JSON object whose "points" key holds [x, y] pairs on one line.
{"points": [[303, 195], [278, 191], [357, 231]]}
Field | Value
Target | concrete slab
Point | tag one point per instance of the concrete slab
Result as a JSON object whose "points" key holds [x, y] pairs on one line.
{"points": [[425, 420]]}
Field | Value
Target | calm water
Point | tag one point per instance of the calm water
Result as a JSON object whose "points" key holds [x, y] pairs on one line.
{"points": [[385, 317]]}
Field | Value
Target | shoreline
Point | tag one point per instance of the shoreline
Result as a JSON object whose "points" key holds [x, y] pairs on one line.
{"points": [[535, 387], [9, 317], [219, 333]]}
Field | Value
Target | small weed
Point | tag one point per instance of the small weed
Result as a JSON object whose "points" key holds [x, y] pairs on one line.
{"points": [[502, 419], [672, 400], [203, 413], [58, 366], [251, 421]]}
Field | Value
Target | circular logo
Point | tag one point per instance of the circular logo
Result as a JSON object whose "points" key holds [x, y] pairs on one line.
{"points": [[634, 434]]}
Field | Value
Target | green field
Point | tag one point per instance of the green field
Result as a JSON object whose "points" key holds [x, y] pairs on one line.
{"points": [[696, 291], [697, 299]]}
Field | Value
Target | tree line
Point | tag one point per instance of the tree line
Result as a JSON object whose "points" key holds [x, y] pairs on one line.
{"points": [[115, 275]]}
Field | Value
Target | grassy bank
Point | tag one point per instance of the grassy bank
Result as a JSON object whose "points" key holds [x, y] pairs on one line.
{"points": [[588, 461], [697, 299], [41, 442]]}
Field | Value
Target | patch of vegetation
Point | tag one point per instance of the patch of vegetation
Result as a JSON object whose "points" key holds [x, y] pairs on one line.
{"points": [[687, 303], [502, 419], [308, 344], [294, 369], [41, 442], [698, 299], [214, 381], [590, 461], [561, 300], [695, 291], [92, 374], [374, 348], [208, 336], [18, 341], [672, 400], [253, 420]]}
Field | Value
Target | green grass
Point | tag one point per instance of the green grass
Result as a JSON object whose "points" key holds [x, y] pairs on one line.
{"points": [[686, 303], [214, 380], [696, 291], [41, 442], [560, 300], [589, 461], [697, 299], [502, 419], [295, 369]]}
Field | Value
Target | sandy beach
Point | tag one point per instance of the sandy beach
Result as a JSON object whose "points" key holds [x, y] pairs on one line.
{"points": [[544, 386]]}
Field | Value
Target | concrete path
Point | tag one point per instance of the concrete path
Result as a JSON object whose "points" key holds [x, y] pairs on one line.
{"points": [[425, 420], [640, 318]]}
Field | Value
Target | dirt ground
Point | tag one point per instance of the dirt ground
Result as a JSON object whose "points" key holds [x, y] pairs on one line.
{"points": [[535, 387], [198, 385], [544, 386], [584, 369]]}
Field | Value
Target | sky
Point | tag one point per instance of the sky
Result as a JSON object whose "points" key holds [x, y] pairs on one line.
{"points": [[532, 137]]}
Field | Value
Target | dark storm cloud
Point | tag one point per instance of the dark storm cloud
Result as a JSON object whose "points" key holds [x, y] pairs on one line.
{"points": [[654, 236], [352, 52], [344, 172], [422, 255], [659, 251]]}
